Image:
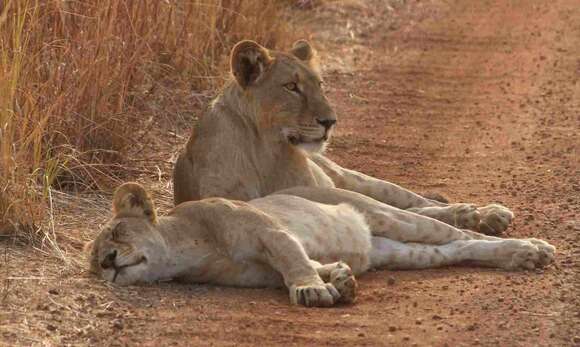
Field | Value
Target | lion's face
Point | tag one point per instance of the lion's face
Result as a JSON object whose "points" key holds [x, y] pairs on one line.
{"points": [[288, 92], [128, 249]]}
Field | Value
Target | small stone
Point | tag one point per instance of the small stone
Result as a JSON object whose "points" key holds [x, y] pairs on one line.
{"points": [[437, 317], [118, 324], [406, 337], [361, 334], [392, 328], [53, 291], [418, 321], [50, 327], [391, 280], [42, 307], [576, 339]]}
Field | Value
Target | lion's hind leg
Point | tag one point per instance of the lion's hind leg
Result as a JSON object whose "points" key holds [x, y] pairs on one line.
{"points": [[463, 216], [384, 220], [396, 255], [509, 254]]}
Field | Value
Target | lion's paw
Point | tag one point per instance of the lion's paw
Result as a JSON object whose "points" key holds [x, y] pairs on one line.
{"points": [[495, 219], [316, 295], [344, 281], [546, 251], [523, 254], [465, 216]]}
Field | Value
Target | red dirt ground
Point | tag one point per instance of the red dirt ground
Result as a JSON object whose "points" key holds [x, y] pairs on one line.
{"points": [[479, 100]]}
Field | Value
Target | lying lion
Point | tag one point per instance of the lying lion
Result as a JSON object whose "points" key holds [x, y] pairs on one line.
{"points": [[287, 238]]}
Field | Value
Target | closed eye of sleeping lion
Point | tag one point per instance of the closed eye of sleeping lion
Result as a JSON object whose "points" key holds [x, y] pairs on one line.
{"points": [[267, 131], [311, 248]]}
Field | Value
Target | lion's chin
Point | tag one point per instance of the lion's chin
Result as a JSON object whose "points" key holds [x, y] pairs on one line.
{"points": [[313, 146], [128, 274]]}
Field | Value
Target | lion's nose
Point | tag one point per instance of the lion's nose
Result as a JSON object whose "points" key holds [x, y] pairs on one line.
{"points": [[327, 123], [109, 260]]}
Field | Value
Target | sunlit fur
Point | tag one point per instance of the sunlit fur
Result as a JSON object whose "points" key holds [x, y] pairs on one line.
{"points": [[257, 133], [311, 240], [267, 130]]}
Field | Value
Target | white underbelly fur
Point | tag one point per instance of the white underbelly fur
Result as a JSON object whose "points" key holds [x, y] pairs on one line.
{"points": [[328, 233]]}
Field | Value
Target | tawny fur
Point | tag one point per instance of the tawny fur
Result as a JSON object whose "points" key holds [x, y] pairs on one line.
{"points": [[288, 239], [260, 136]]}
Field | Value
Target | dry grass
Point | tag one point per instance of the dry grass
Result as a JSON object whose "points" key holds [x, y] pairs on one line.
{"points": [[76, 77]]}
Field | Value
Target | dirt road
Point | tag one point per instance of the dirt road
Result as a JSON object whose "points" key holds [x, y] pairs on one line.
{"points": [[479, 100]]}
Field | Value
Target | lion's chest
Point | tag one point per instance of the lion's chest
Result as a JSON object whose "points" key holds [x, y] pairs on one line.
{"points": [[290, 174]]}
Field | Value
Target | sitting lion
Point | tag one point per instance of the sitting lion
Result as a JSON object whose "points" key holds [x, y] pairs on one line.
{"points": [[287, 238], [266, 132]]}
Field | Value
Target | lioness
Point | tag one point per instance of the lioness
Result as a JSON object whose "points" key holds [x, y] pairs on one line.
{"points": [[313, 249], [266, 132]]}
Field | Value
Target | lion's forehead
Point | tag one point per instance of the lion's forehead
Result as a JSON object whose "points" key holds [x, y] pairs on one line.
{"points": [[131, 230], [288, 67]]}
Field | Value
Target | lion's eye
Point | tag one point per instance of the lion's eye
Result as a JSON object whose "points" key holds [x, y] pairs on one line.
{"points": [[293, 87]]}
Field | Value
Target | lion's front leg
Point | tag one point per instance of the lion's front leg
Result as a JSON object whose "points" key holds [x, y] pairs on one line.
{"points": [[384, 220], [492, 219], [247, 234], [383, 191], [287, 256]]}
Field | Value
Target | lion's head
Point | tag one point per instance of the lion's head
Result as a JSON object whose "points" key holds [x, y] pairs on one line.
{"points": [[128, 249], [284, 91]]}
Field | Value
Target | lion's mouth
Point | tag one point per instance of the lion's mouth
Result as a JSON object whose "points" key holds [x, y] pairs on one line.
{"points": [[297, 139], [300, 140], [118, 269]]}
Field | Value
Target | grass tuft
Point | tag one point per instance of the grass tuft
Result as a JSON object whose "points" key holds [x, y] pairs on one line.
{"points": [[77, 78]]}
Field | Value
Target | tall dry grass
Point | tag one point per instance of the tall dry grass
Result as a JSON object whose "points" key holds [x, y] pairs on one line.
{"points": [[75, 78]]}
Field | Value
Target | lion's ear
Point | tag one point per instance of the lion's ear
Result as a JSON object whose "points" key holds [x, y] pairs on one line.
{"points": [[248, 62], [132, 200], [303, 50]]}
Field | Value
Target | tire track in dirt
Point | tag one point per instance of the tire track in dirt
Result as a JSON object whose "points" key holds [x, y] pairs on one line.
{"points": [[478, 100]]}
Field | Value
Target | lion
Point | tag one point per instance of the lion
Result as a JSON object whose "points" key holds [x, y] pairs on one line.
{"points": [[287, 239], [267, 131]]}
